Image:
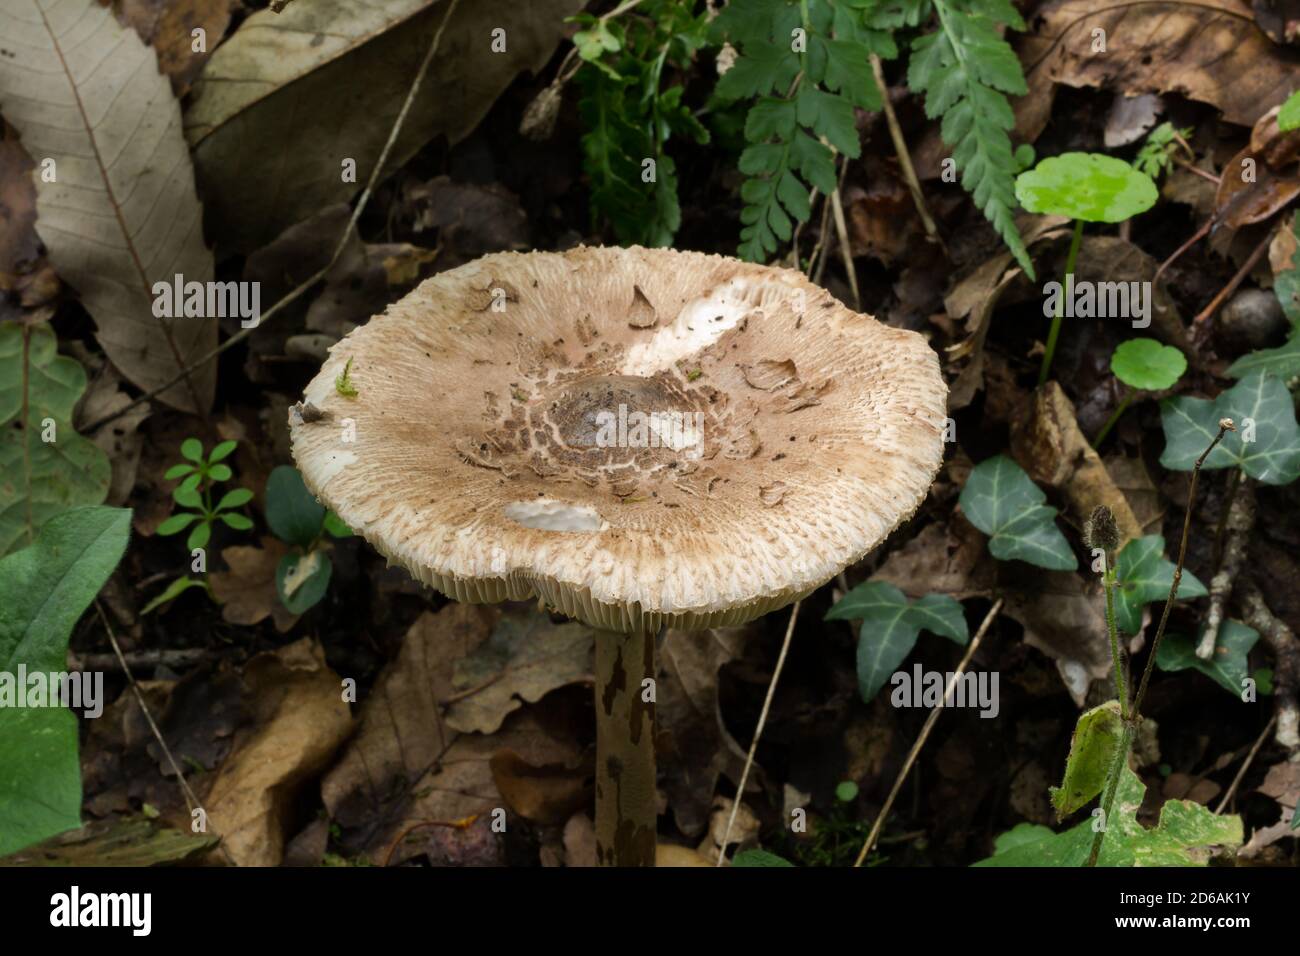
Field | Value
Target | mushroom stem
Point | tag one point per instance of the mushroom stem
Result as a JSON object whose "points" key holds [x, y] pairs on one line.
{"points": [[626, 806]]}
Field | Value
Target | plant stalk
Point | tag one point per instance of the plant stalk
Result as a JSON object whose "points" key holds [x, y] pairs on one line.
{"points": [[626, 806], [1055, 333], [1115, 417]]}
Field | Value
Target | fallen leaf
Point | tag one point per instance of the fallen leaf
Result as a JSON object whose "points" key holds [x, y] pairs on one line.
{"points": [[168, 25], [694, 744], [119, 842], [246, 592], [1052, 449], [283, 81], [526, 658], [122, 213], [300, 720], [1206, 50], [549, 794]]}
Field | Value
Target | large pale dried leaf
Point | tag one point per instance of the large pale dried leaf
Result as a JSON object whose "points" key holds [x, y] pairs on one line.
{"points": [[326, 79], [1050, 446], [1206, 50], [300, 719], [402, 733], [526, 658], [122, 212]]}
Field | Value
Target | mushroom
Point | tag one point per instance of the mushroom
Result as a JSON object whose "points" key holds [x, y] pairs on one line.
{"points": [[641, 438]]}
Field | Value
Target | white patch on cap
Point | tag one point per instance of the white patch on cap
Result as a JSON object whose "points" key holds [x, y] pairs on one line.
{"points": [[332, 464], [547, 514], [699, 324]]}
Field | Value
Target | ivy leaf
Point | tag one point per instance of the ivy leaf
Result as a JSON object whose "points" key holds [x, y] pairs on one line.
{"points": [[890, 627], [44, 589], [1147, 364], [1184, 828], [292, 512], [1093, 748], [301, 580], [1266, 444], [45, 466], [1227, 667], [1001, 500], [1087, 186], [1145, 575]]}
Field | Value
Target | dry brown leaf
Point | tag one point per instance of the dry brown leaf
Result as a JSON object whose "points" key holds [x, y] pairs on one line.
{"points": [[299, 721], [122, 213], [167, 26], [1050, 447], [526, 658], [286, 82], [19, 247], [247, 592], [694, 744], [1207, 50], [548, 794], [401, 734]]}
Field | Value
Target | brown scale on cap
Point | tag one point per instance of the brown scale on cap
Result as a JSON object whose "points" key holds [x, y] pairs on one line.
{"points": [[477, 461]]}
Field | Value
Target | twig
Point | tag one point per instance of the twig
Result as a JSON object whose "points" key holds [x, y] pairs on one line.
{"points": [[464, 823], [842, 232], [1238, 524], [1202, 321], [190, 798], [1236, 781], [293, 295], [904, 157], [1225, 426], [154, 657], [758, 731], [930, 721], [1286, 650]]}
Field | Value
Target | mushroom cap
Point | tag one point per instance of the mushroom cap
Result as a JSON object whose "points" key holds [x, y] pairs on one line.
{"points": [[641, 437]]}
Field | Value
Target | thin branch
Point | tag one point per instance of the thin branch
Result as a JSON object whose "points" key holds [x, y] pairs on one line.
{"points": [[904, 157], [925, 732], [758, 731], [292, 296], [190, 798], [1236, 781]]}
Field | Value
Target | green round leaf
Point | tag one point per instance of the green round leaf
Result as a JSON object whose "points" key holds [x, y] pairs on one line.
{"points": [[237, 521], [294, 514], [199, 536], [221, 451], [192, 449], [220, 473], [176, 523], [301, 588], [234, 499], [1086, 186], [1148, 365], [846, 792]]}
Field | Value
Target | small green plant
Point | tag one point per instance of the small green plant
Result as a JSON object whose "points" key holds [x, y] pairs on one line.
{"points": [[890, 626], [343, 381], [631, 111], [1144, 575], [1145, 366], [1086, 187], [1288, 117], [1156, 155], [1002, 501], [1227, 667], [299, 520], [200, 476]]}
